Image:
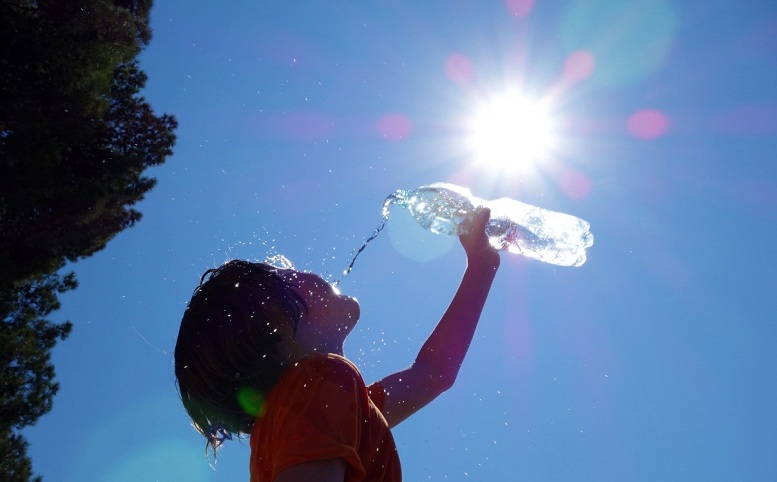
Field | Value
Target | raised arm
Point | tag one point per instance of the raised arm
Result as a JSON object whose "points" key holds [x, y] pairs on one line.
{"points": [[437, 364]]}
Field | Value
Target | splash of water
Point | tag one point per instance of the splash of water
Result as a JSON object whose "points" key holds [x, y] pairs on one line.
{"points": [[392, 199], [279, 261]]}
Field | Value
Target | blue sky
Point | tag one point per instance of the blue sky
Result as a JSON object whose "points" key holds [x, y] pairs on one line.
{"points": [[653, 361]]}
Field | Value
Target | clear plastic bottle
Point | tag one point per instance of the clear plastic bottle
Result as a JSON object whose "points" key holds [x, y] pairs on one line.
{"points": [[516, 227]]}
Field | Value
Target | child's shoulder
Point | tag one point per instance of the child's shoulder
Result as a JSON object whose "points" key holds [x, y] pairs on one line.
{"points": [[325, 367], [328, 363]]}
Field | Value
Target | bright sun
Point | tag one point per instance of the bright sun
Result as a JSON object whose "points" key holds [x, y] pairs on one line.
{"points": [[510, 132]]}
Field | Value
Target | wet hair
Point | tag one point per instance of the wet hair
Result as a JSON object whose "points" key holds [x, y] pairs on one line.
{"points": [[226, 356]]}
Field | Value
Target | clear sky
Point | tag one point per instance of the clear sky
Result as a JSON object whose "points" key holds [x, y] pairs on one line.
{"points": [[653, 361]]}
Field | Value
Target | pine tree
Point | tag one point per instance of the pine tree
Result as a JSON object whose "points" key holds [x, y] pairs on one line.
{"points": [[75, 140]]}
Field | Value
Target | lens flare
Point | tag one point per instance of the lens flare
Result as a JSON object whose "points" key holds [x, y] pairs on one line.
{"points": [[519, 8], [575, 184], [250, 400], [394, 127], [629, 40], [648, 124], [578, 66], [459, 68]]}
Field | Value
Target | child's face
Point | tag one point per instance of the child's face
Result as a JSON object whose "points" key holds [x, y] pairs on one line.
{"points": [[330, 316]]}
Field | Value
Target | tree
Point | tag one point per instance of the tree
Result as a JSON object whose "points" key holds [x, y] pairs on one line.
{"points": [[27, 384], [75, 140]]}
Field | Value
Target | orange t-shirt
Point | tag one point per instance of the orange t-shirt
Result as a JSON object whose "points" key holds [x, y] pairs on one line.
{"points": [[321, 409]]}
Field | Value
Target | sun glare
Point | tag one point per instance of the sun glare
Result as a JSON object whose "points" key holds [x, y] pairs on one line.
{"points": [[510, 132]]}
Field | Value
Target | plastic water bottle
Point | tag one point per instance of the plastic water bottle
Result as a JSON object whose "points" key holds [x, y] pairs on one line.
{"points": [[516, 227]]}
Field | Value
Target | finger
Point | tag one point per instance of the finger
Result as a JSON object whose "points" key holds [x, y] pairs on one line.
{"points": [[482, 217]]}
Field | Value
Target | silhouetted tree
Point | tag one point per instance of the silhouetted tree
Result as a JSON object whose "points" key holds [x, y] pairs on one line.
{"points": [[27, 384], [75, 139]]}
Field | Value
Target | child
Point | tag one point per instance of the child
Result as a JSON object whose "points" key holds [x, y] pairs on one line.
{"points": [[260, 352]]}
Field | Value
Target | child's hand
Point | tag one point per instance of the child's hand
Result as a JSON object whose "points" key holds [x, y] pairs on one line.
{"points": [[475, 241]]}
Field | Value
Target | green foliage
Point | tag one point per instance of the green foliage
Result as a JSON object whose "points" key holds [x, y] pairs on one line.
{"points": [[15, 465], [75, 140], [26, 340], [27, 384]]}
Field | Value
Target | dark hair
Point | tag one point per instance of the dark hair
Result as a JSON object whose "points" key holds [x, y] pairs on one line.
{"points": [[226, 356]]}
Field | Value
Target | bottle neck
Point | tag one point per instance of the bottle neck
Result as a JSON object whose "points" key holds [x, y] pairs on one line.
{"points": [[400, 197]]}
